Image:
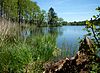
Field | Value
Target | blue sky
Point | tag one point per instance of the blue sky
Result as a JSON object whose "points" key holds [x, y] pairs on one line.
{"points": [[71, 10]]}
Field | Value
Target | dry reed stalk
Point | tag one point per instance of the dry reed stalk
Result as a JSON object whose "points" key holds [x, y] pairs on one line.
{"points": [[7, 28]]}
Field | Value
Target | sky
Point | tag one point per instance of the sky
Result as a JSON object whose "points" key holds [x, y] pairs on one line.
{"points": [[71, 10]]}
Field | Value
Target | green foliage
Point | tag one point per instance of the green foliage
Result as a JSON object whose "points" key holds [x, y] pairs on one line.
{"points": [[56, 52], [95, 68], [95, 30], [98, 9], [16, 10], [19, 56], [42, 48], [52, 17], [27, 11], [88, 24], [76, 23]]}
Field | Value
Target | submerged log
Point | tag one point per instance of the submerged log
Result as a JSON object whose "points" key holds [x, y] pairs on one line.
{"points": [[76, 64]]}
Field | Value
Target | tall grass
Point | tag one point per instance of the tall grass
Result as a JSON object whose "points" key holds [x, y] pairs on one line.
{"points": [[19, 56]]}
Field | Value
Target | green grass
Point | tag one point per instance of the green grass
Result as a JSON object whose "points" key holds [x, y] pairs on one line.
{"points": [[17, 56]]}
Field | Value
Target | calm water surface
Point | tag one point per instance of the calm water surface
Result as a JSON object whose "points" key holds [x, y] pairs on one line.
{"points": [[67, 37], [70, 37]]}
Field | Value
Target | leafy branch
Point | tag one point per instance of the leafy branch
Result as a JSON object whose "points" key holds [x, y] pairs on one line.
{"points": [[95, 31]]}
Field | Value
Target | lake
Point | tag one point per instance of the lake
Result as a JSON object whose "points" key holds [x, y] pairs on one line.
{"points": [[67, 37]]}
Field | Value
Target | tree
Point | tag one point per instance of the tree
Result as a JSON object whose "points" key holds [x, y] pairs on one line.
{"points": [[10, 9], [22, 7], [91, 27], [26, 10], [34, 13], [22, 11], [60, 21], [52, 17], [41, 18]]}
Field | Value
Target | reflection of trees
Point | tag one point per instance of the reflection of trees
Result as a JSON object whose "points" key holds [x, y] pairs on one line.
{"points": [[54, 30], [26, 32], [40, 31], [37, 31]]}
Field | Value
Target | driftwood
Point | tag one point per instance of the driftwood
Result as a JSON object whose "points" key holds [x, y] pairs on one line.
{"points": [[76, 64]]}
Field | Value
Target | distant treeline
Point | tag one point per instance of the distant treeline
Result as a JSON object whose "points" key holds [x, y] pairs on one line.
{"points": [[74, 23], [97, 22]]}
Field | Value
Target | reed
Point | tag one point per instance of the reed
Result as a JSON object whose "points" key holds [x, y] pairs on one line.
{"points": [[17, 55]]}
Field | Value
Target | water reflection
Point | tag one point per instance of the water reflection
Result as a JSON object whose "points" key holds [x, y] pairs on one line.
{"points": [[66, 36]]}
